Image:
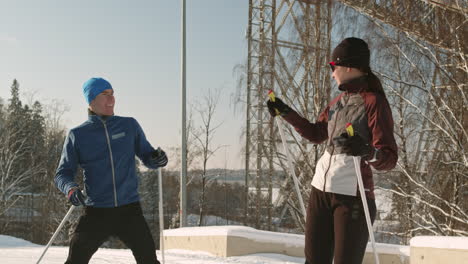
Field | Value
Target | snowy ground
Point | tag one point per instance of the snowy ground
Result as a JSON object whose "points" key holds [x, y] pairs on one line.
{"points": [[18, 251]]}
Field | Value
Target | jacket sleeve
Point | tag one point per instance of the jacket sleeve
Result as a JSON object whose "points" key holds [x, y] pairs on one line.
{"points": [[315, 132], [143, 148], [380, 122], [66, 171]]}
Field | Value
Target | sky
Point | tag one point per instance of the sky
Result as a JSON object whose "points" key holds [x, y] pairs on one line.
{"points": [[53, 46]]}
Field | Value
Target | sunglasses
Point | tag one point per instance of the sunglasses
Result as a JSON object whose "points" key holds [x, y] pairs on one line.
{"points": [[332, 65]]}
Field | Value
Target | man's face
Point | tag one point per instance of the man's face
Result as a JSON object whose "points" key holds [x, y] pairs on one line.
{"points": [[103, 104]]}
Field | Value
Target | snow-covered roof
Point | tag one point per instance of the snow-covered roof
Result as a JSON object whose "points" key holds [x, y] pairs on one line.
{"points": [[9, 241], [237, 231], [440, 242]]}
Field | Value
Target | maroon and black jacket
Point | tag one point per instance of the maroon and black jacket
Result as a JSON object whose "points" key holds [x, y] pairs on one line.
{"points": [[371, 117]]}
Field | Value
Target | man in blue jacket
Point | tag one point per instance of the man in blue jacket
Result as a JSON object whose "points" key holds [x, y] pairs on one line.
{"points": [[105, 147]]}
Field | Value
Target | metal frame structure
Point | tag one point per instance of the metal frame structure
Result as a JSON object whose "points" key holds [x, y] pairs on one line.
{"points": [[431, 18], [288, 45], [288, 49]]}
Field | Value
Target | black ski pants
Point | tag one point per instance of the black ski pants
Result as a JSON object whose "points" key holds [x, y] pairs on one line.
{"points": [[336, 228], [97, 224]]}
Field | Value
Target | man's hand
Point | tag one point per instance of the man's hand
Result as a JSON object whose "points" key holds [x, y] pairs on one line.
{"points": [[278, 107], [159, 157], [354, 145], [76, 197]]}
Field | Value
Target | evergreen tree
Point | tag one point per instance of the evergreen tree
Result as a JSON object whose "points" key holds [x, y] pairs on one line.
{"points": [[29, 153], [15, 131], [2, 115], [36, 133], [25, 126], [15, 102]]}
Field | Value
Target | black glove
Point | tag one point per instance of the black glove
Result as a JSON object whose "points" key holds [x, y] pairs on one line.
{"points": [[76, 197], [354, 146], [279, 105], [159, 158]]}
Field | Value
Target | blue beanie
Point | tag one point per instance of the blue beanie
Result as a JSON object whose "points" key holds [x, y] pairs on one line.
{"points": [[93, 87]]}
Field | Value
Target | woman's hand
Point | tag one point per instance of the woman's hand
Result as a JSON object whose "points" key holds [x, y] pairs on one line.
{"points": [[278, 107]]}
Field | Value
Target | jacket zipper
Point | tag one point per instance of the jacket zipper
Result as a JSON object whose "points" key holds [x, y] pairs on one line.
{"points": [[112, 162], [331, 140]]}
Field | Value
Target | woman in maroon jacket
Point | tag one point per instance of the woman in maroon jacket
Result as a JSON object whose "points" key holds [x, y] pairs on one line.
{"points": [[336, 226]]}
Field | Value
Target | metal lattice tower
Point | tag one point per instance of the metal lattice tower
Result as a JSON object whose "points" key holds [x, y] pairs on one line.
{"points": [[439, 34], [288, 52], [288, 49], [442, 24], [431, 22]]}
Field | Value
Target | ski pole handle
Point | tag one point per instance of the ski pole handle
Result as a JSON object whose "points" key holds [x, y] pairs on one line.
{"points": [[349, 129], [161, 215], [272, 96]]}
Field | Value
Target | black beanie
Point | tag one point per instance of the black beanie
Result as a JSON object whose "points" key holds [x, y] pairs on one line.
{"points": [[352, 52]]}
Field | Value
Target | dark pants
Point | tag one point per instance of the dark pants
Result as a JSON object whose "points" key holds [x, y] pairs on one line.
{"points": [[97, 224], [336, 227]]}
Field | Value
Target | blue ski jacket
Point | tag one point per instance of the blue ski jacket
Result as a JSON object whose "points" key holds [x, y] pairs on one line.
{"points": [[105, 149]]}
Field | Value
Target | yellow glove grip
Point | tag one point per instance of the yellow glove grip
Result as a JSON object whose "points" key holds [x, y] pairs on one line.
{"points": [[271, 94], [349, 129]]}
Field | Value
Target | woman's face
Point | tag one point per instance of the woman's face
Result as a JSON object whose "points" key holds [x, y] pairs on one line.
{"points": [[342, 74]]}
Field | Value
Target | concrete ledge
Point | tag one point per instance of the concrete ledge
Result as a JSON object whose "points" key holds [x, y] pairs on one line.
{"points": [[238, 246], [437, 249], [216, 245], [226, 241], [388, 254]]}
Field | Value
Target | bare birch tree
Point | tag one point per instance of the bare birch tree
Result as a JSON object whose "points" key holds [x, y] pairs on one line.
{"points": [[423, 64], [203, 135], [19, 135]]}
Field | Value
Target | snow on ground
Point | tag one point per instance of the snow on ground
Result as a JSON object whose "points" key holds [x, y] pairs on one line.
{"points": [[18, 251]]}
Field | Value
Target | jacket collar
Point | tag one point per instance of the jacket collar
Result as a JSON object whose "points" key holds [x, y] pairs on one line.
{"points": [[354, 85], [92, 117]]}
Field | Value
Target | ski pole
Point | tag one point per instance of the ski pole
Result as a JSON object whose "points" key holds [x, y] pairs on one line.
{"points": [[161, 214], [271, 94], [70, 211], [350, 131]]}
